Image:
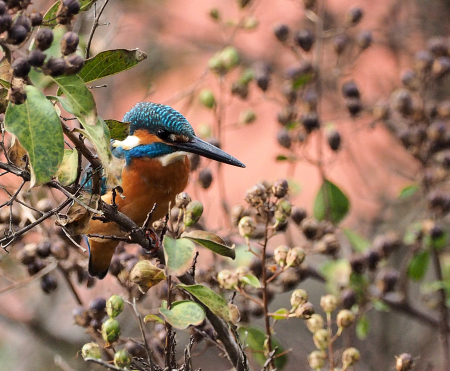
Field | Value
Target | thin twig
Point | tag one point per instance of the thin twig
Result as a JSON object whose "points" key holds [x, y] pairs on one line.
{"points": [[104, 364], [70, 284], [94, 27], [144, 338]]}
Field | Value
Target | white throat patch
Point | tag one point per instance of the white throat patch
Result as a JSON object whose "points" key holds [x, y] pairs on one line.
{"points": [[128, 143], [171, 158]]}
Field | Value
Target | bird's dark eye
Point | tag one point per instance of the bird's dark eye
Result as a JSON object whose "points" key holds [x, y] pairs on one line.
{"points": [[163, 134]]}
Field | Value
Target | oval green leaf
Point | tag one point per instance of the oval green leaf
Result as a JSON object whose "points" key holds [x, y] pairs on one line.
{"points": [[408, 191], [211, 241], [210, 299], [418, 265], [118, 130], [362, 327], [183, 314], [331, 203], [98, 135], [152, 318], [67, 172], [178, 254], [252, 280], [358, 242], [254, 338], [280, 314], [109, 63], [37, 126]]}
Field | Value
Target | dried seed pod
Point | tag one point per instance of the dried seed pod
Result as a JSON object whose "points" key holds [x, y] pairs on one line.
{"points": [[310, 121], [280, 254], [404, 362], [340, 43], [227, 279], [69, 43], [334, 139], [298, 297], [21, 68], [350, 356], [316, 359], [315, 323], [321, 339], [74, 64], [55, 67], [262, 75], [247, 226], [328, 303], [36, 58], [44, 38], [348, 298], [280, 188], [350, 90], [354, 106], [182, 200], [345, 318], [386, 280], [205, 178], [305, 310], [364, 39], [17, 94], [284, 139]]}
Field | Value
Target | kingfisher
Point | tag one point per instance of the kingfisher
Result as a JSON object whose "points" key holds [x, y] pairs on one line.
{"points": [[156, 170]]}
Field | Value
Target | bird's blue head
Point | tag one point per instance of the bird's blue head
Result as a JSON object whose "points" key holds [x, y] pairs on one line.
{"points": [[157, 130]]}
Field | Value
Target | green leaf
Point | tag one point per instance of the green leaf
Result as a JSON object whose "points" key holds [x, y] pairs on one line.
{"points": [[183, 314], [331, 203], [337, 274], [418, 265], [152, 318], [67, 172], [118, 130], [302, 80], [211, 241], [78, 99], [280, 314], [254, 338], [358, 242], [362, 327], [5, 84], [36, 125], [408, 191], [380, 305], [98, 135], [281, 158], [436, 243], [109, 63], [210, 299], [178, 254], [251, 280]]}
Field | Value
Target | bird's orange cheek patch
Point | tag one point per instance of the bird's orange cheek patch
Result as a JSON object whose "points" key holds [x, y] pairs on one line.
{"points": [[147, 138]]}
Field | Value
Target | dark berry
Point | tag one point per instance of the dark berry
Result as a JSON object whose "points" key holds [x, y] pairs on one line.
{"points": [[97, 308], [438, 45], [205, 178], [357, 263], [423, 60], [20, 67], [284, 139], [24, 21], [298, 214], [334, 139], [44, 38], [16, 35], [348, 298], [305, 39], [69, 43], [36, 19], [194, 160], [36, 58], [281, 32], [75, 63], [310, 121], [354, 16], [340, 42], [55, 67], [5, 22], [43, 249], [350, 90], [49, 283], [354, 106], [372, 259], [72, 6], [364, 39]]}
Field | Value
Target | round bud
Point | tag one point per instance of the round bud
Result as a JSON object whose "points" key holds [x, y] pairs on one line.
{"points": [[404, 362], [280, 254], [122, 359], [316, 359], [345, 318], [305, 310], [334, 139], [357, 263], [280, 188], [438, 46], [364, 39], [283, 211], [21, 68], [55, 67], [72, 6], [110, 330], [229, 57], [49, 283], [305, 39], [114, 306], [247, 226], [74, 64], [262, 75], [350, 356], [205, 178], [91, 350], [227, 279], [36, 19], [146, 274], [182, 200], [321, 338], [256, 195], [328, 303], [298, 297], [295, 257], [206, 97], [281, 32], [194, 211], [328, 244], [44, 38], [284, 139], [16, 35], [315, 323], [69, 43], [5, 23], [354, 16]]}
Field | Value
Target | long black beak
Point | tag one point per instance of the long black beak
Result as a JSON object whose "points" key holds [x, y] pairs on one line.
{"points": [[202, 148]]}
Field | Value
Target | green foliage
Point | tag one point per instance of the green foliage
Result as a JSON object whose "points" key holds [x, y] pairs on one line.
{"points": [[331, 203], [183, 314], [252, 280], [67, 172], [37, 126], [408, 191], [179, 255], [362, 327], [211, 241], [418, 265], [254, 338], [358, 242], [118, 130], [210, 299]]}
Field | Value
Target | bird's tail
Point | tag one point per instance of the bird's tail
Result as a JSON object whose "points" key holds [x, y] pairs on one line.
{"points": [[100, 255]]}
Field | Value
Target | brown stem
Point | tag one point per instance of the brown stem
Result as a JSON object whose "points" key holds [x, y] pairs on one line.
{"points": [[94, 27], [330, 342], [70, 284], [168, 346], [144, 338]]}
